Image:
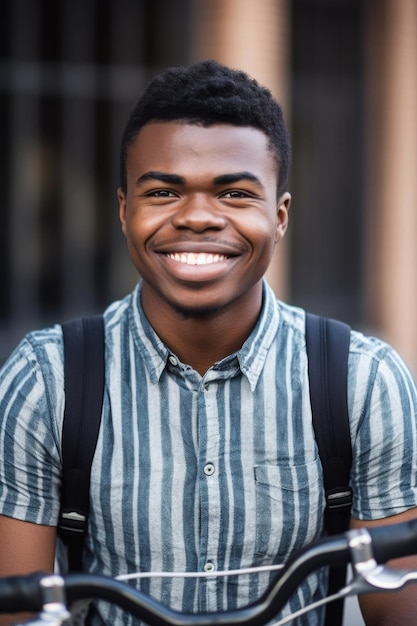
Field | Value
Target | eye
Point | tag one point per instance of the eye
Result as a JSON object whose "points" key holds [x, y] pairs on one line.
{"points": [[161, 193], [236, 194]]}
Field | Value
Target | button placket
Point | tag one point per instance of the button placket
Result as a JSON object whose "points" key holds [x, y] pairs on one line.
{"points": [[209, 567], [173, 360], [209, 469], [210, 513]]}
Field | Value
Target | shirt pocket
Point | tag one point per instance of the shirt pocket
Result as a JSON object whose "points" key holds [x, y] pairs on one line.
{"points": [[289, 509]]}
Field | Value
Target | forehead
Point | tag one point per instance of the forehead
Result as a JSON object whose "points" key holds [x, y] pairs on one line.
{"points": [[186, 148]]}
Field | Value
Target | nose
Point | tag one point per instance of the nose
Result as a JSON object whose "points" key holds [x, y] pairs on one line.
{"points": [[198, 213]]}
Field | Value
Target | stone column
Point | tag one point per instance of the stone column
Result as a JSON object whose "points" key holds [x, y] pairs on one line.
{"points": [[391, 79]]}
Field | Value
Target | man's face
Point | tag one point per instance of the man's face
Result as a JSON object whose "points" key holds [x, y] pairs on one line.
{"points": [[201, 215]]}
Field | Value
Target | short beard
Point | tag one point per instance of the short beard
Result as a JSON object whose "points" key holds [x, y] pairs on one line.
{"points": [[196, 313]]}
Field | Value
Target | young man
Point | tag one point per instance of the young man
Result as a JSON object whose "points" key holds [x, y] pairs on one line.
{"points": [[206, 457]]}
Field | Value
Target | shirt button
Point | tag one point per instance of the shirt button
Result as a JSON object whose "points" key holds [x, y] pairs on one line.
{"points": [[209, 469], [173, 360], [209, 567]]}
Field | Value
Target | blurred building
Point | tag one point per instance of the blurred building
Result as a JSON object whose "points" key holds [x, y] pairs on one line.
{"points": [[345, 72]]}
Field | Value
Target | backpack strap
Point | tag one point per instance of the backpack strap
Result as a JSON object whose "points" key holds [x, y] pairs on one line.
{"points": [[84, 387], [328, 350]]}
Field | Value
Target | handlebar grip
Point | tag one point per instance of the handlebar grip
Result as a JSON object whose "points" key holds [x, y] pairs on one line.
{"points": [[21, 593], [394, 541]]}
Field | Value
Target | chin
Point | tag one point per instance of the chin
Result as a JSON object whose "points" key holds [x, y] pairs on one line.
{"points": [[196, 312]]}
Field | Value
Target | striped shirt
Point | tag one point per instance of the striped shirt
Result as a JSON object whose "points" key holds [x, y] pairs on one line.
{"points": [[202, 473]]}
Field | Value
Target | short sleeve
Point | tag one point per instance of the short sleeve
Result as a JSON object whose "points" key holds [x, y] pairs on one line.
{"points": [[383, 410], [31, 406]]}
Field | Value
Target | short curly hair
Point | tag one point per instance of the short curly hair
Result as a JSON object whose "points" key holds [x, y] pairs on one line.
{"points": [[208, 93]]}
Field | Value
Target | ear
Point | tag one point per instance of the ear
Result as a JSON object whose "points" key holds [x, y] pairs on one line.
{"points": [[283, 207], [122, 208]]}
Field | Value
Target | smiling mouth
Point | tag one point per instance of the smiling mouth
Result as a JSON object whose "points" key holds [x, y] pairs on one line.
{"points": [[197, 258]]}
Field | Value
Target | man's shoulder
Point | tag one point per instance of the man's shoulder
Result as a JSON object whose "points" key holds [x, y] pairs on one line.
{"points": [[46, 344], [361, 344], [376, 364], [120, 311], [41, 345], [291, 316], [369, 345], [366, 350]]}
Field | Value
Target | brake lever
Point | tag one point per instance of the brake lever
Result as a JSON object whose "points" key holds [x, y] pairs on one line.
{"points": [[368, 576]]}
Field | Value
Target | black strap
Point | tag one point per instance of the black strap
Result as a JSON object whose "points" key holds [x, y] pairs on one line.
{"points": [[84, 387], [328, 350]]}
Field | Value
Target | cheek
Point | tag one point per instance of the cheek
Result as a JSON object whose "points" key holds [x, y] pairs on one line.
{"points": [[139, 227], [153, 215], [263, 233], [134, 235]]}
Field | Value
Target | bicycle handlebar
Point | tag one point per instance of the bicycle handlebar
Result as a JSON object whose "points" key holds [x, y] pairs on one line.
{"points": [[394, 541], [359, 548]]}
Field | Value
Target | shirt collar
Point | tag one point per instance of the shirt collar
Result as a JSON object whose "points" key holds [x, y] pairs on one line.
{"points": [[152, 349], [250, 358], [254, 351]]}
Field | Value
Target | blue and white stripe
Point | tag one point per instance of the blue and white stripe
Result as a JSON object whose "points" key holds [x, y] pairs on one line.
{"points": [[191, 472]]}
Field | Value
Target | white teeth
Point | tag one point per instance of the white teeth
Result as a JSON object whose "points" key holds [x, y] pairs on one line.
{"points": [[197, 258]]}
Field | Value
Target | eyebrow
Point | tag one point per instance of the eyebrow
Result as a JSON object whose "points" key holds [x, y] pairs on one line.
{"points": [[227, 179], [175, 179], [171, 179]]}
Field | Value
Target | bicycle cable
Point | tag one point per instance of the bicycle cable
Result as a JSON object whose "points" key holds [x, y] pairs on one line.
{"points": [[214, 573]]}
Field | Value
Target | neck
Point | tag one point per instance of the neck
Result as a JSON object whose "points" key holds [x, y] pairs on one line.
{"points": [[202, 340]]}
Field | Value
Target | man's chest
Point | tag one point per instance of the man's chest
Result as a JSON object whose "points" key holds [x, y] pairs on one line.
{"points": [[212, 475]]}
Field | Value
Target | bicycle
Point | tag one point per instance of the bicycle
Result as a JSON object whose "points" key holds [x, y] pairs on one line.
{"points": [[366, 550]]}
